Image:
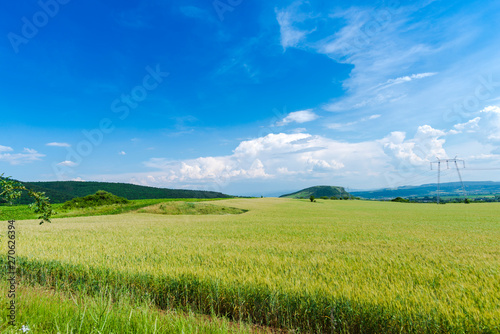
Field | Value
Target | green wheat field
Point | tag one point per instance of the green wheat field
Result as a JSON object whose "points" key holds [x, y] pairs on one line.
{"points": [[284, 265]]}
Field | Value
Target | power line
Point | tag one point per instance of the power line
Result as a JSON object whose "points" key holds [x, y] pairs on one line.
{"points": [[447, 161]]}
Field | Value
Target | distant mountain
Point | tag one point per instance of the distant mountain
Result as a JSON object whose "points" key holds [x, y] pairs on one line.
{"points": [[319, 191], [62, 191], [446, 189]]}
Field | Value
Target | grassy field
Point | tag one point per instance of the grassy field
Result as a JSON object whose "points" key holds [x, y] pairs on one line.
{"points": [[329, 266], [19, 212], [47, 311]]}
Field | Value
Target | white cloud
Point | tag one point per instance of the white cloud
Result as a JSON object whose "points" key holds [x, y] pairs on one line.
{"points": [[491, 109], [484, 156], [301, 116], [298, 156], [400, 80], [27, 156], [470, 126], [490, 123], [287, 18], [56, 144], [122, 153], [485, 127], [67, 163], [5, 149], [318, 165], [305, 159], [425, 146]]}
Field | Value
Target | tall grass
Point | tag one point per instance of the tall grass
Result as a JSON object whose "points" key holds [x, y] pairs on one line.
{"points": [[50, 311], [330, 266]]}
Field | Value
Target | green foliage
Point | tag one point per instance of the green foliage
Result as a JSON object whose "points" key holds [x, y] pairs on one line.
{"points": [[190, 208], [311, 198], [400, 199], [12, 190], [100, 198]]}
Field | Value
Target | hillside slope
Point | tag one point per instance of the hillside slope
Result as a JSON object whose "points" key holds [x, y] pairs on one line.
{"points": [[62, 191], [446, 189], [319, 191]]}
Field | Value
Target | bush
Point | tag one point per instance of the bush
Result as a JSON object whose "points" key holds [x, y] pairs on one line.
{"points": [[400, 199], [324, 197], [311, 198], [100, 198]]}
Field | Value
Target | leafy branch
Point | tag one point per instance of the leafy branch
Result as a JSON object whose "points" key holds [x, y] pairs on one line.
{"points": [[11, 190]]}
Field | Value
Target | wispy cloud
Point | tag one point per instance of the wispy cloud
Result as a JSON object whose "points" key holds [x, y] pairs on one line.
{"points": [[404, 79], [27, 156], [67, 163], [348, 125], [471, 125], [301, 116], [56, 144], [6, 149], [402, 68], [288, 18]]}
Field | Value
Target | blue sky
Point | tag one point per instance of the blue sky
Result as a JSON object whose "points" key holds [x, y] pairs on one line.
{"points": [[249, 97]]}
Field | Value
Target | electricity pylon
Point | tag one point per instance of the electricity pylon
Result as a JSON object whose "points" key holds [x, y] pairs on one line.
{"points": [[447, 161]]}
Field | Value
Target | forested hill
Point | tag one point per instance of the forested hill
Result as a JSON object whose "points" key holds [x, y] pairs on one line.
{"points": [[62, 191], [446, 189], [319, 191]]}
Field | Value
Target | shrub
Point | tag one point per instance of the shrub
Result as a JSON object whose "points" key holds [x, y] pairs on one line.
{"points": [[400, 199], [100, 198]]}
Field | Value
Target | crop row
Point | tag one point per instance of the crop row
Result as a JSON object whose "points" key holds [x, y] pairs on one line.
{"points": [[312, 312]]}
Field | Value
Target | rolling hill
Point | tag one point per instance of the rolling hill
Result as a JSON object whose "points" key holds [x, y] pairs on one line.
{"points": [[319, 191], [446, 189], [62, 191]]}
